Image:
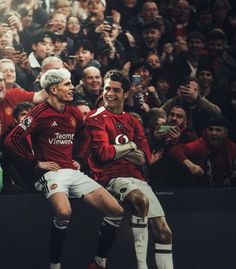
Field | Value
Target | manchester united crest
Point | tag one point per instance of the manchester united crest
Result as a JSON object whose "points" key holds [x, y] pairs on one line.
{"points": [[8, 110]]}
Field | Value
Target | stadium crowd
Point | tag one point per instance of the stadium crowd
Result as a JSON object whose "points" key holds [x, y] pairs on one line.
{"points": [[179, 55]]}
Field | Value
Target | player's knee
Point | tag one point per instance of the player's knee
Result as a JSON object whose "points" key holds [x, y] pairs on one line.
{"points": [[64, 213], [139, 202], [115, 211]]}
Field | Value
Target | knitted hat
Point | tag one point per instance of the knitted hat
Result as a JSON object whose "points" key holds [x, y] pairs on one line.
{"points": [[218, 121]]}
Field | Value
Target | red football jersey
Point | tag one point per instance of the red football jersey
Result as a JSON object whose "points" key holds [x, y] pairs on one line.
{"points": [[52, 134], [106, 130]]}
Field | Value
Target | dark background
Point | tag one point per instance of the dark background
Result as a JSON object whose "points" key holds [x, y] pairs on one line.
{"points": [[203, 222]]}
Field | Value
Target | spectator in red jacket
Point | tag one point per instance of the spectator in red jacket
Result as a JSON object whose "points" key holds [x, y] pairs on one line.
{"points": [[211, 159]]}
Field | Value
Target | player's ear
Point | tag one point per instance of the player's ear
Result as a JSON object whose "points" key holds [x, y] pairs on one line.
{"points": [[126, 94], [53, 89]]}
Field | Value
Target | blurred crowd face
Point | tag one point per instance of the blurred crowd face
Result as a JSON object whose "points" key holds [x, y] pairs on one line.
{"points": [[95, 7], [59, 46], [160, 121], [182, 11], [151, 37], [195, 46], [220, 10], [150, 11], [3, 89], [216, 47], [83, 56], [177, 116], [205, 78], [83, 3], [28, 19], [146, 76], [58, 23], [205, 17], [6, 39], [154, 61], [9, 73], [22, 115], [92, 80], [73, 25], [216, 135], [84, 109], [63, 6], [43, 49], [163, 85], [53, 64], [130, 3]]}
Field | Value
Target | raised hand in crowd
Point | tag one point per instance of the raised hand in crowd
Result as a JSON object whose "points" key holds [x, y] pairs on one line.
{"points": [[14, 22], [156, 155], [21, 59], [134, 89], [130, 39], [103, 27], [167, 53], [116, 16], [70, 64], [189, 92]]}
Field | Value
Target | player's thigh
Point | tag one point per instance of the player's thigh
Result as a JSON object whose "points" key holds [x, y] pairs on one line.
{"points": [[101, 199], [82, 185], [120, 188], [55, 182]]}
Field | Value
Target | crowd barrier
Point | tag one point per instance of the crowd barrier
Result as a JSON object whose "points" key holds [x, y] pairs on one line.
{"points": [[203, 222]]}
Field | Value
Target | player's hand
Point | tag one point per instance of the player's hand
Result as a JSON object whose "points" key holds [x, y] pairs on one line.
{"points": [[135, 156], [50, 166], [76, 164]]}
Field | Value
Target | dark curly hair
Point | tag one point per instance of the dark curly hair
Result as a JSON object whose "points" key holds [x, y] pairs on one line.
{"points": [[118, 75]]}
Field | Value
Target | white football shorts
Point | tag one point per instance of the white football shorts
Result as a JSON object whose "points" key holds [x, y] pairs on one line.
{"points": [[73, 182], [119, 187]]}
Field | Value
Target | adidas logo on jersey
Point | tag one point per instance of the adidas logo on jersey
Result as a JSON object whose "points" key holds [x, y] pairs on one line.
{"points": [[54, 124]]}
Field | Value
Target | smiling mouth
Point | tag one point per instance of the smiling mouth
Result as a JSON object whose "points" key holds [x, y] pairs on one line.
{"points": [[110, 100]]}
